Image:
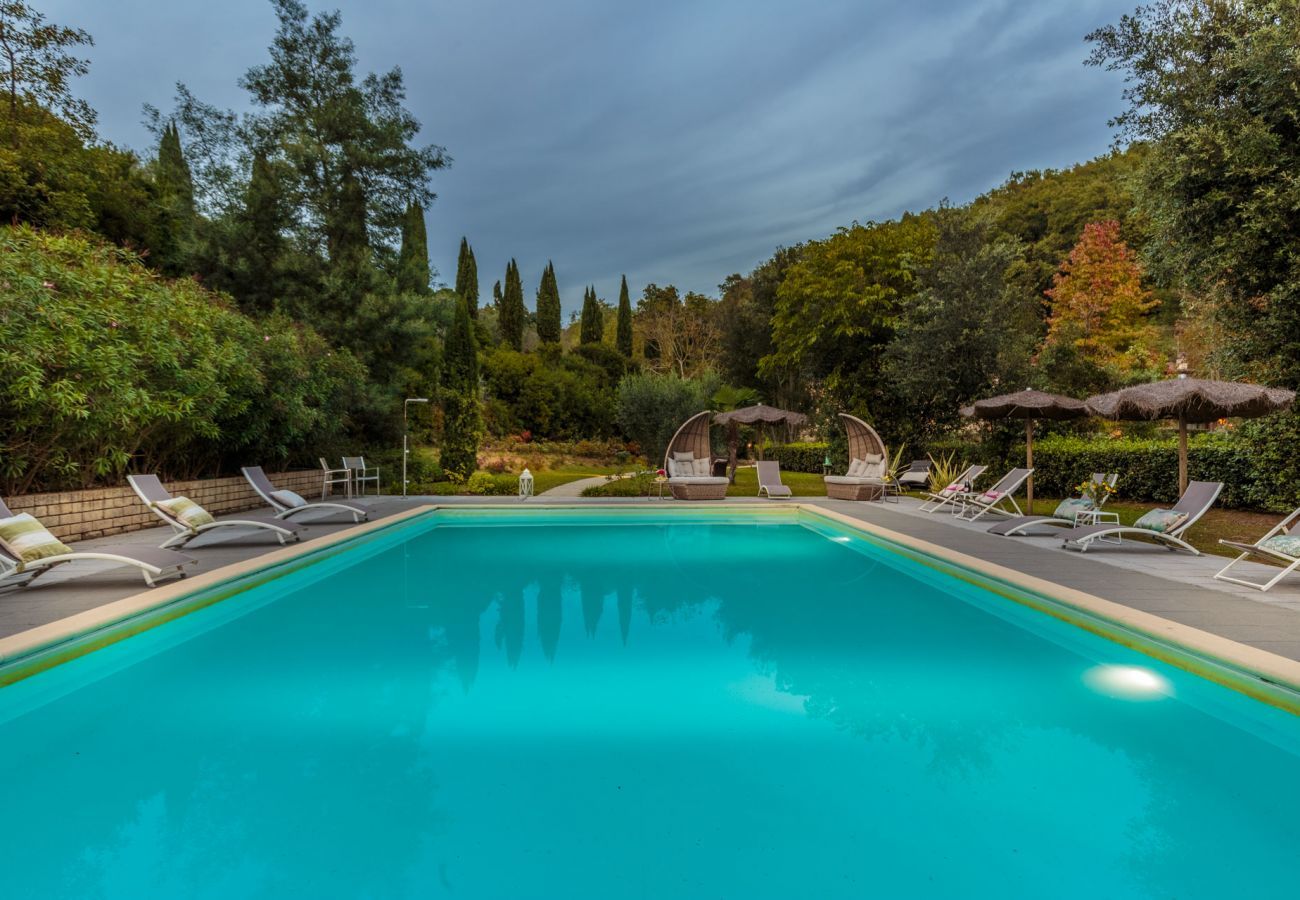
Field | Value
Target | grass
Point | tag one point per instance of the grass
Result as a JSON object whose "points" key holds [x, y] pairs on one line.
{"points": [[801, 484], [507, 483]]}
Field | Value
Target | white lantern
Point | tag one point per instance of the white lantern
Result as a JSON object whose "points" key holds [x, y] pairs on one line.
{"points": [[525, 485]]}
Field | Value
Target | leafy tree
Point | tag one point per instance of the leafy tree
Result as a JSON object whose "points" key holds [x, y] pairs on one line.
{"points": [[467, 277], [510, 309], [1100, 306], [413, 271], [38, 68], [549, 326], [1213, 87], [956, 341], [593, 321], [650, 408], [681, 333], [623, 336], [462, 418], [745, 313]]}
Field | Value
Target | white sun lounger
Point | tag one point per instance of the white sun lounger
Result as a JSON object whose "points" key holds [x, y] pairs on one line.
{"points": [[152, 562], [952, 494], [150, 489], [769, 480], [287, 504], [1195, 502], [990, 502], [1020, 525], [1288, 527]]}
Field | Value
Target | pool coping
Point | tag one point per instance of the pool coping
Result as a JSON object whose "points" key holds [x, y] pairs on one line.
{"points": [[1265, 676]]}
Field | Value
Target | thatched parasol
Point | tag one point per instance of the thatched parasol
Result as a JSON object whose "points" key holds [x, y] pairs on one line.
{"points": [[758, 415], [1028, 405], [1190, 400]]}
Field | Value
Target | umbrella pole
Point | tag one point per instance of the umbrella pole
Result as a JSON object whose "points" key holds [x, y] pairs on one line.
{"points": [[733, 441], [1029, 464], [1182, 455]]}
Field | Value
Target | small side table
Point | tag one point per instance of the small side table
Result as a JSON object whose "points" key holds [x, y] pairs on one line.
{"points": [[663, 483], [1099, 517]]}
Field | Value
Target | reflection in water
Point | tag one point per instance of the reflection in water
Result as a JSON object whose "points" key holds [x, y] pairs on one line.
{"points": [[799, 721]]}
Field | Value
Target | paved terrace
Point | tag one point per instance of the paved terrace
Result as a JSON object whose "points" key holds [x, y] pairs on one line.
{"points": [[1174, 586]]}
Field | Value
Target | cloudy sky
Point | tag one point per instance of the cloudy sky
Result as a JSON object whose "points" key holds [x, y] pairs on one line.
{"points": [[676, 141]]}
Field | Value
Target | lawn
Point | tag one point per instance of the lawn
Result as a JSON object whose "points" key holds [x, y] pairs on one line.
{"points": [[801, 484]]}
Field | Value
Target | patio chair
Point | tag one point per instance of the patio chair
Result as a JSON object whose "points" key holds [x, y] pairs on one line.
{"points": [[689, 462], [917, 474], [189, 520], [361, 474], [952, 494], [974, 506], [21, 535], [287, 503], [868, 464], [333, 477], [1165, 526], [1063, 517], [1280, 545], [769, 480]]}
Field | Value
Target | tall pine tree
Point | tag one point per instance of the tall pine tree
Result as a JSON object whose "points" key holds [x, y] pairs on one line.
{"points": [[549, 325], [593, 322], [510, 309], [260, 242], [413, 272], [173, 240], [623, 337], [462, 420], [467, 277]]}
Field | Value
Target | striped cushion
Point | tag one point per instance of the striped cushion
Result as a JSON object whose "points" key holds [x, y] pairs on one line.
{"points": [[28, 539], [187, 512]]}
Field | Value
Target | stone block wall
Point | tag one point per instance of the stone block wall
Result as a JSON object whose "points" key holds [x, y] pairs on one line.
{"points": [[79, 515]]}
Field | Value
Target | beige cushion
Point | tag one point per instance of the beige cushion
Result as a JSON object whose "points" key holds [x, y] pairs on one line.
{"points": [[698, 479], [187, 512], [702, 467], [849, 479], [855, 467]]}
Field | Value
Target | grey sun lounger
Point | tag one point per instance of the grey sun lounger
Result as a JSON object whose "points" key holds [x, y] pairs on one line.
{"points": [[1020, 525], [153, 563], [287, 503], [917, 474], [1195, 502], [950, 495], [1287, 528], [150, 489], [990, 502], [769, 480]]}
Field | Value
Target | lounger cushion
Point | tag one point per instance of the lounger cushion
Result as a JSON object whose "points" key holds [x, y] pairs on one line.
{"points": [[28, 540], [1161, 521], [848, 479], [701, 467], [289, 499], [1286, 544], [1070, 508], [856, 467], [187, 512], [697, 479]]}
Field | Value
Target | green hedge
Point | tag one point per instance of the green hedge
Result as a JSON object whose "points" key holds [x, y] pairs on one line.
{"points": [[807, 456]]}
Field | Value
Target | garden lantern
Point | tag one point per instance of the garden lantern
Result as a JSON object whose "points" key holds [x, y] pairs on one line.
{"points": [[525, 484]]}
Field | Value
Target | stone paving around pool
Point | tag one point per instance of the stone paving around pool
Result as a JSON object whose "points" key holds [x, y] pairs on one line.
{"points": [[1174, 586]]}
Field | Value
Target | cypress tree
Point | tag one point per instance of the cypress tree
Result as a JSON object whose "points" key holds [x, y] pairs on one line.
{"points": [[261, 242], [623, 337], [549, 326], [510, 309], [467, 277], [174, 238], [462, 421], [413, 272], [593, 322]]}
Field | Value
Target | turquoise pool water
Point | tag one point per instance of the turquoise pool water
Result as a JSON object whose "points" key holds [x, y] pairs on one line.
{"points": [[603, 707]]}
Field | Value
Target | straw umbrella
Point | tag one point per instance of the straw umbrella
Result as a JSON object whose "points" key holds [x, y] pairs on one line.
{"points": [[1190, 400], [1028, 405], [758, 415]]}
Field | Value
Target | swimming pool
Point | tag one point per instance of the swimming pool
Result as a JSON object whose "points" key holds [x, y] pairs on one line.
{"points": [[603, 704]]}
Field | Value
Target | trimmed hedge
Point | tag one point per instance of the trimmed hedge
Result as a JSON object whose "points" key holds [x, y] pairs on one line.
{"points": [[808, 456]]}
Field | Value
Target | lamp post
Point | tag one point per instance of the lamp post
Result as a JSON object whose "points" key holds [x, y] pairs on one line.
{"points": [[406, 405]]}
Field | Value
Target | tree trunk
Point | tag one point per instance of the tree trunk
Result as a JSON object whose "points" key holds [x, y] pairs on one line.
{"points": [[1029, 464], [1182, 455]]}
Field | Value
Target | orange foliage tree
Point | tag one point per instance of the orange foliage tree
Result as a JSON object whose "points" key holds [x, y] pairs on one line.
{"points": [[1099, 306]]}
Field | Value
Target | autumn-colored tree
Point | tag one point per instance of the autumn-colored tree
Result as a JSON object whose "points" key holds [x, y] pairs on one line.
{"points": [[680, 333], [1099, 305]]}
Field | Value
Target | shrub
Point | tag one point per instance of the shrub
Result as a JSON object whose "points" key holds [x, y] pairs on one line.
{"points": [[807, 456], [642, 485], [480, 483], [650, 409]]}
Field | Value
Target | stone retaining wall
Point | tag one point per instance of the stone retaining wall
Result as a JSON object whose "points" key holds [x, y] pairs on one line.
{"points": [[78, 515]]}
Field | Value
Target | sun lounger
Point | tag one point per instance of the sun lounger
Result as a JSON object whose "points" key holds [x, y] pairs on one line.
{"points": [[190, 520], [769, 480], [990, 502], [152, 562], [1165, 526], [287, 503], [917, 474], [952, 494], [1280, 545], [1063, 517]]}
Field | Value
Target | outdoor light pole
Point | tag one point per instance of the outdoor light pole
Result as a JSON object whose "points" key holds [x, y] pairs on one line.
{"points": [[406, 405]]}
